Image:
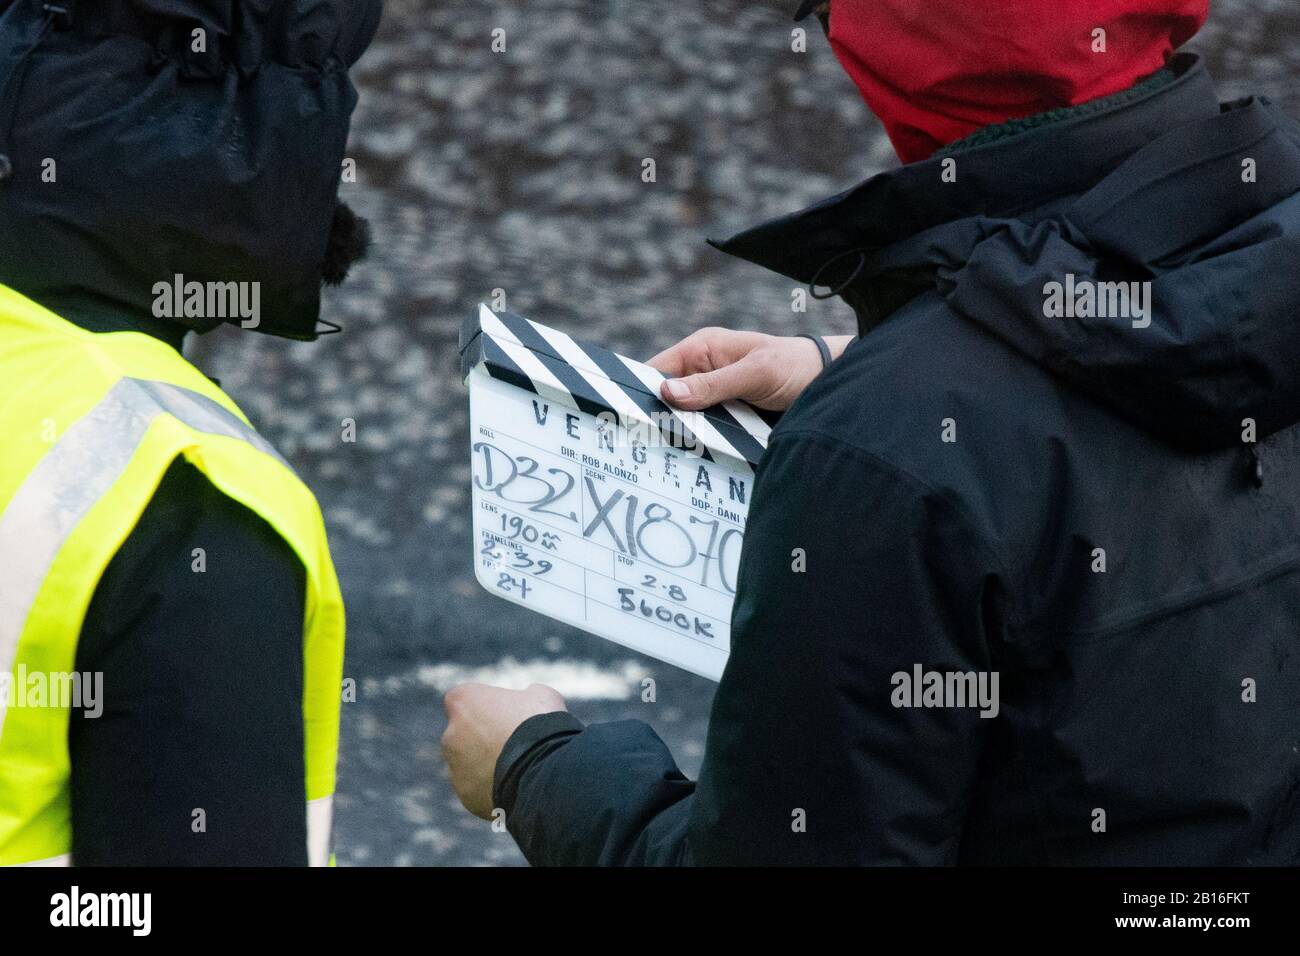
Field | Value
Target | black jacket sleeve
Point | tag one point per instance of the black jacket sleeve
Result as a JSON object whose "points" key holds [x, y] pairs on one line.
{"points": [[808, 759], [197, 757]]}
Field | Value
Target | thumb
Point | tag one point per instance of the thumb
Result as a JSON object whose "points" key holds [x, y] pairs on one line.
{"points": [[747, 379]]}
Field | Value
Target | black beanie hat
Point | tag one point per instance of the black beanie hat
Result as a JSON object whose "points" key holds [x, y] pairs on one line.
{"points": [[145, 139]]}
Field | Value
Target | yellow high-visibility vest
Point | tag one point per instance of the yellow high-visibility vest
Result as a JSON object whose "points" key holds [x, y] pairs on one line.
{"points": [[89, 423]]}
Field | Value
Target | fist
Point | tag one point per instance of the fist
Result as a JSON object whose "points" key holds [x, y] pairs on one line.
{"points": [[480, 719]]}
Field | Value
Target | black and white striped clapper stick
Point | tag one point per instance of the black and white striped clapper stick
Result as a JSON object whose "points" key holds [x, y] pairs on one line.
{"points": [[597, 504]]}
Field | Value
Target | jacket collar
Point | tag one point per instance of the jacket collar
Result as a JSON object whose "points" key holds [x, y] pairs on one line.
{"points": [[1000, 178]]}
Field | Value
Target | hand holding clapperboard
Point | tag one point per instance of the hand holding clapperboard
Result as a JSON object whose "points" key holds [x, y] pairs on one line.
{"points": [[597, 504]]}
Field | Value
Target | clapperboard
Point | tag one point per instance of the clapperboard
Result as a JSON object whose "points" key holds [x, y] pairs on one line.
{"points": [[597, 504]]}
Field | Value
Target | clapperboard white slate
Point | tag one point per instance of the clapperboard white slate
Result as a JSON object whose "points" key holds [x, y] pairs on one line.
{"points": [[597, 504]]}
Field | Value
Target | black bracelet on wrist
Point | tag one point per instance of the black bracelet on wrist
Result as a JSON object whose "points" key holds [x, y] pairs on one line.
{"points": [[822, 347]]}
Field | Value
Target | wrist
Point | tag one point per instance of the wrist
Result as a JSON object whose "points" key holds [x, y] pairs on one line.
{"points": [[524, 743], [829, 347], [823, 350], [837, 344]]}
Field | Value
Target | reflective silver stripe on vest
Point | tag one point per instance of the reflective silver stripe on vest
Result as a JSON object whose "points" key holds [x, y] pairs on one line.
{"points": [[73, 475], [320, 824]]}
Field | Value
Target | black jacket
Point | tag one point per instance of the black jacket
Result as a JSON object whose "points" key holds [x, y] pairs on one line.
{"points": [[980, 487]]}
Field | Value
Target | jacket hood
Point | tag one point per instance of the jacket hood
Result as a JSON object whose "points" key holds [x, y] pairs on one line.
{"points": [[1146, 252], [142, 140]]}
